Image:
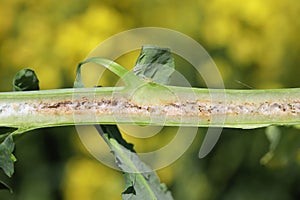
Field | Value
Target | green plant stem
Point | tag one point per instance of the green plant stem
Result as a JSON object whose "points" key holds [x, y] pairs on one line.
{"points": [[150, 103]]}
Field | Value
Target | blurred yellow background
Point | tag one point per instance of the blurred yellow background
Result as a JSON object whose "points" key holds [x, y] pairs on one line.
{"points": [[254, 42]]}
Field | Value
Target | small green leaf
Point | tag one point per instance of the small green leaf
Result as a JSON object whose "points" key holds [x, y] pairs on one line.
{"points": [[155, 64], [7, 159], [26, 80]]}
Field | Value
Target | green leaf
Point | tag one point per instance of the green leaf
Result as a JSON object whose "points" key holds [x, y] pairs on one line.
{"points": [[7, 159], [155, 64], [141, 181], [25, 80]]}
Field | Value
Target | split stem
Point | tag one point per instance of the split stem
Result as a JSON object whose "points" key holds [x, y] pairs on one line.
{"points": [[150, 105]]}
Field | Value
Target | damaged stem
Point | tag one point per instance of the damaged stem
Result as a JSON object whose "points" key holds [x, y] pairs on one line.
{"points": [[150, 104]]}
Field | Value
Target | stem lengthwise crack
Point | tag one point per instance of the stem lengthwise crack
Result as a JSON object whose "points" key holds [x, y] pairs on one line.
{"points": [[108, 109]]}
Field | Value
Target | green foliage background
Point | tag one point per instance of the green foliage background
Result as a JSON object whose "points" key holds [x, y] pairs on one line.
{"points": [[255, 42]]}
